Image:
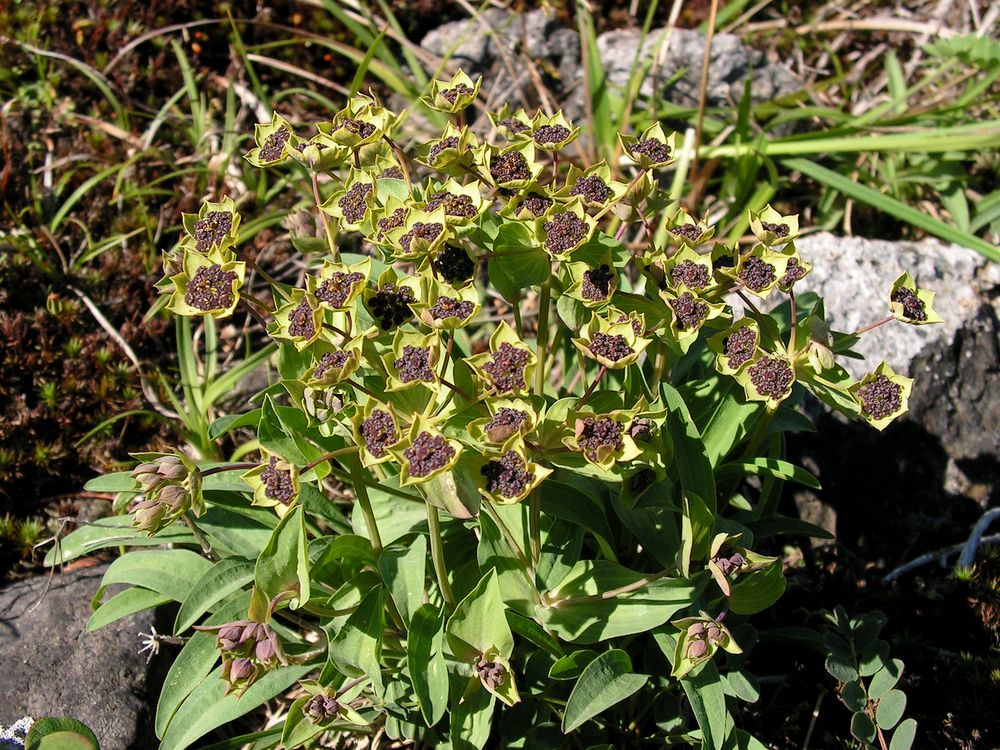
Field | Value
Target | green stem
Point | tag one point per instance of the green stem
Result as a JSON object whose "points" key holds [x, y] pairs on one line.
{"points": [[361, 492], [659, 367], [535, 525], [227, 467], [437, 555], [613, 593], [542, 337], [330, 241], [327, 456], [526, 567], [206, 546], [591, 387]]}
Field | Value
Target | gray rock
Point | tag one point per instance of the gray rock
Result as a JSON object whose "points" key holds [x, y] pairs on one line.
{"points": [[53, 667], [676, 72], [854, 275]]}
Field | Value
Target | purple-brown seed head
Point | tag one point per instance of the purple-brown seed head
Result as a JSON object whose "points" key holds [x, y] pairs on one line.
{"points": [[505, 423], [597, 283], [595, 434], [414, 365], [454, 264], [301, 323], [379, 432], [357, 127], [330, 361], [321, 708], [278, 483], [689, 311], [390, 305], [210, 289], [392, 173], [459, 205], [739, 347], [335, 290], [505, 368], [688, 231], [549, 134], [610, 347], [656, 151], [778, 230], [452, 94], [693, 275], [564, 232], [492, 673], [212, 230], [507, 477], [395, 219], [427, 454], [450, 307], [509, 167], [442, 145], [593, 188], [274, 145], [537, 204], [756, 275], [426, 231], [352, 204], [881, 397], [913, 306], [793, 272], [772, 377]]}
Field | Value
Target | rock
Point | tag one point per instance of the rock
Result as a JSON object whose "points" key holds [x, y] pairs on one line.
{"points": [[730, 64], [53, 667], [854, 275]]}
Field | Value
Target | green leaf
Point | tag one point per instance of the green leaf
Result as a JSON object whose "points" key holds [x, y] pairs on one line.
{"points": [[885, 679], [862, 727], [226, 576], [902, 738], [402, 571], [890, 709], [471, 716], [171, 572], [284, 563], [572, 665], [697, 522], [425, 658], [283, 429], [194, 661], [116, 531], [703, 688], [571, 502], [208, 707], [123, 604], [854, 696], [356, 649], [527, 628], [579, 613], [479, 623], [116, 481], [60, 733], [744, 686], [765, 528], [841, 668], [222, 425], [772, 467], [893, 207], [607, 680], [873, 658], [690, 456], [757, 591], [517, 262], [495, 552]]}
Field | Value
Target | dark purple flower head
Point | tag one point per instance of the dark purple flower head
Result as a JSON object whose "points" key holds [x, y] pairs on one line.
{"points": [[772, 377], [549, 134], [492, 673], [392, 173], [656, 151], [335, 290], [379, 432], [693, 275], [739, 347], [331, 361], [450, 307], [390, 305], [689, 311], [881, 397], [356, 127], [509, 167], [395, 219], [506, 368], [793, 272], [913, 306], [454, 264], [593, 188], [414, 365], [352, 204], [505, 423], [274, 145], [212, 230], [756, 275], [537, 204], [460, 90], [427, 454], [688, 231], [641, 429], [597, 283], [507, 477], [611, 347], [778, 230], [460, 205], [301, 323], [595, 434], [211, 288], [514, 125], [278, 483], [443, 145], [321, 708], [564, 232], [426, 231]]}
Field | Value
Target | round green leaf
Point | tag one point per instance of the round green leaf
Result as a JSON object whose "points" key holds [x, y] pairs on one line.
{"points": [[854, 696], [606, 681], [890, 709], [885, 679], [60, 733], [902, 738], [862, 727], [841, 668], [873, 658]]}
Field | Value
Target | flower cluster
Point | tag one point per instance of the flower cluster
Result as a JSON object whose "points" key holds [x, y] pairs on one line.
{"points": [[249, 649], [169, 486]]}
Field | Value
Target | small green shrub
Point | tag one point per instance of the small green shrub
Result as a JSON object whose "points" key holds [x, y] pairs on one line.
{"points": [[518, 480]]}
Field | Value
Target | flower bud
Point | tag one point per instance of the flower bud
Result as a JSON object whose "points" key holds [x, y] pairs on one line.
{"points": [[697, 649], [320, 708]]}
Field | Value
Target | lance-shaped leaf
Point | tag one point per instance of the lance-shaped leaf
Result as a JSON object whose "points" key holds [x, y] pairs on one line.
{"points": [[283, 566]]}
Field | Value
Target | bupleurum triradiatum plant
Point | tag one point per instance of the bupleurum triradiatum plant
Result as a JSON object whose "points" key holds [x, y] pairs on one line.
{"points": [[499, 484]]}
